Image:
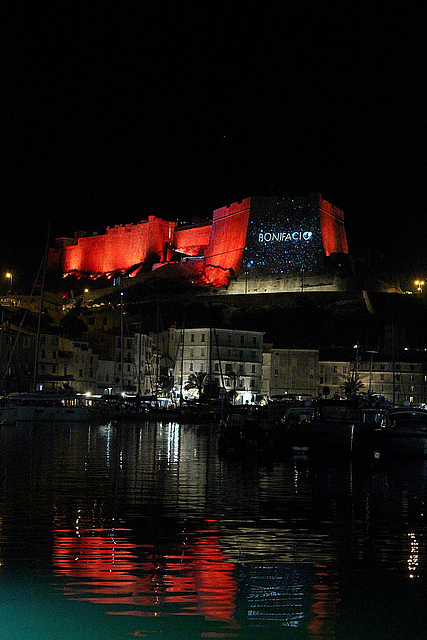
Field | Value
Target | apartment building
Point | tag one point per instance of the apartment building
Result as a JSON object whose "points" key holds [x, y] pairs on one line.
{"points": [[231, 358], [290, 372], [134, 364]]}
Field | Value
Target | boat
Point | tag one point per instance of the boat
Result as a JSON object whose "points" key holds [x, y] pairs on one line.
{"points": [[403, 432], [244, 433], [42, 407], [333, 426]]}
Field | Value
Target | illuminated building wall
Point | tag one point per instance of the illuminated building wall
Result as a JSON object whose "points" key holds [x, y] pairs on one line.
{"points": [[265, 235], [224, 255], [120, 248], [192, 241]]}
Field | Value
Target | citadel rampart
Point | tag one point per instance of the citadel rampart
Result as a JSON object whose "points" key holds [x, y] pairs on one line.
{"points": [[261, 235]]}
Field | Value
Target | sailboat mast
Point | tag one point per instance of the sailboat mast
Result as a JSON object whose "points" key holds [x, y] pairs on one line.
{"points": [[39, 321]]}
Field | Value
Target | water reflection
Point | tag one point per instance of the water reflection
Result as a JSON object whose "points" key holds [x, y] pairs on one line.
{"points": [[146, 527]]}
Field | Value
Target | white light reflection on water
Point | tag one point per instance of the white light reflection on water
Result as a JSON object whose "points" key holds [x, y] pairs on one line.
{"points": [[142, 531]]}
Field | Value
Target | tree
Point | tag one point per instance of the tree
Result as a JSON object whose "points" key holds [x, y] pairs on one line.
{"points": [[353, 385], [197, 380], [233, 377], [165, 385]]}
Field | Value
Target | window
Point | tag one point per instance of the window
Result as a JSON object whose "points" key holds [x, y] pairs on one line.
{"points": [[191, 366], [203, 337], [192, 337], [253, 368], [216, 366], [254, 341], [252, 383], [242, 340]]}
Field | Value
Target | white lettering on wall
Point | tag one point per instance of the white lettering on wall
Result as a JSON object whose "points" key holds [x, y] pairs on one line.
{"points": [[284, 236]]}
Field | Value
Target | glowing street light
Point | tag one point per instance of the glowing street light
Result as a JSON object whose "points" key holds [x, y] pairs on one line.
{"points": [[419, 284], [9, 275]]}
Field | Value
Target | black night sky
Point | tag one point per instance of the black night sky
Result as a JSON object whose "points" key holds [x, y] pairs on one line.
{"points": [[113, 111]]}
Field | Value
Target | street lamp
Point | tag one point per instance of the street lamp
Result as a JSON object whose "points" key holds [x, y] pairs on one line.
{"points": [[419, 284], [9, 275]]}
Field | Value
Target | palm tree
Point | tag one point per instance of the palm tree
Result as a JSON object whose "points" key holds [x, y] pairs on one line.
{"points": [[233, 377], [197, 380], [165, 385], [353, 385]]}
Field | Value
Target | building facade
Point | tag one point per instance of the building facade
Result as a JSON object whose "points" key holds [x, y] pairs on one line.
{"points": [[306, 372], [290, 372], [231, 359]]}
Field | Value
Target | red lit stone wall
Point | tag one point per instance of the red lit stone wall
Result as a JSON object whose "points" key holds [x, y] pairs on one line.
{"points": [[120, 248], [227, 242], [190, 241], [332, 228], [222, 243]]}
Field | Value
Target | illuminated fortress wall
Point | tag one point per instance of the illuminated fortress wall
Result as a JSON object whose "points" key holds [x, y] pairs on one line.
{"points": [[262, 235], [227, 242], [120, 248], [192, 241], [332, 228]]}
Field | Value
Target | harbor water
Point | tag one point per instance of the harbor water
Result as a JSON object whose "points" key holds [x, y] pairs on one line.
{"points": [[116, 531]]}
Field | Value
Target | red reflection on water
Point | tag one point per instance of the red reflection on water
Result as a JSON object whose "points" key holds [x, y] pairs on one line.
{"points": [[110, 570], [325, 600]]}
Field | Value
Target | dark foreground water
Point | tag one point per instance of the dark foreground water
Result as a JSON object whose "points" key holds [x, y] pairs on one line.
{"points": [[111, 532]]}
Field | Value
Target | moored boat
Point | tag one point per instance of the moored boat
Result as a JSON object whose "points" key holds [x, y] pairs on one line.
{"points": [[42, 407], [403, 432], [337, 427]]}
